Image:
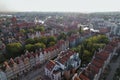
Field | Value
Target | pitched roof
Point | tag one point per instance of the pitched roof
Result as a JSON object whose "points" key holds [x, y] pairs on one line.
{"points": [[64, 56], [97, 63], [83, 77], [50, 65]]}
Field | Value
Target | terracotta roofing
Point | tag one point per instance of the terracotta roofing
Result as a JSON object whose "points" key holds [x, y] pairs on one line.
{"points": [[102, 55], [97, 63], [114, 42], [73, 37], [93, 69], [104, 30], [83, 77], [109, 48], [60, 42], [50, 65], [52, 48], [99, 60], [64, 56]]}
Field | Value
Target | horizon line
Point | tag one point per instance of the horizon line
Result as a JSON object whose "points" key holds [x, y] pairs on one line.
{"points": [[60, 12]]}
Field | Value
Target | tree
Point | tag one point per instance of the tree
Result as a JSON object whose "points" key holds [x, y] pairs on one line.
{"points": [[30, 41], [71, 32], [103, 39], [29, 47], [2, 58], [87, 53], [14, 49], [22, 31], [30, 30], [43, 40], [81, 53], [40, 28], [62, 36], [36, 39], [51, 39], [80, 30], [87, 56], [51, 44], [77, 49], [39, 45]]}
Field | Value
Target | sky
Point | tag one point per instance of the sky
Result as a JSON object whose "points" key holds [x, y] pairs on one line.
{"points": [[60, 5]]}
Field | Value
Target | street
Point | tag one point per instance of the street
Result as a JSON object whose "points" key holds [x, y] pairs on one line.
{"points": [[35, 74], [113, 66]]}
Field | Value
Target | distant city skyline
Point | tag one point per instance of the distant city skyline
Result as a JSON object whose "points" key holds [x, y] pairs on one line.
{"points": [[85, 6]]}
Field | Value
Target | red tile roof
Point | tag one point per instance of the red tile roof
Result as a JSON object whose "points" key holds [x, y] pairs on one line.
{"points": [[64, 56], [102, 55], [96, 63], [93, 69], [83, 77], [50, 65], [104, 30], [109, 48]]}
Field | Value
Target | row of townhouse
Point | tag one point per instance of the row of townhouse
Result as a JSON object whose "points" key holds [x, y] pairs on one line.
{"points": [[76, 39], [99, 62], [33, 59], [25, 63], [65, 64]]}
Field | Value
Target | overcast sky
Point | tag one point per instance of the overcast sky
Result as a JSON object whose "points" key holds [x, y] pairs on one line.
{"points": [[60, 5]]}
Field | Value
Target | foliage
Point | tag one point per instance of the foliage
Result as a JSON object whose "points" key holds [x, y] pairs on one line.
{"points": [[39, 45], [50, 41], [43, 40], [30, 30], [33, 47], [22, 31], [29, 47], [30, 41], [71, 32], [81, 30], [14, 49], [89, 46], [40, 28], [62, 36], [36, 40], [51, 44], [2, 58]]}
